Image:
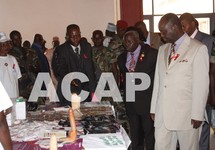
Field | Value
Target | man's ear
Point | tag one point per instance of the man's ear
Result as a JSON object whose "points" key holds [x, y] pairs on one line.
{"points": [[193, 23]]}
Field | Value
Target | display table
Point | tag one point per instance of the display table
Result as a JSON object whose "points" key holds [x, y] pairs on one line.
{"points": [[92, 120]]}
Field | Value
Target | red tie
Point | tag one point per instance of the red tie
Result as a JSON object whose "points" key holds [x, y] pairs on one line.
{"points": [[172, 53], [132, 63]]}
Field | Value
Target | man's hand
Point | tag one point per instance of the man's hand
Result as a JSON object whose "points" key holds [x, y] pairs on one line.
{"points": [[153, 117], [196, 123]]}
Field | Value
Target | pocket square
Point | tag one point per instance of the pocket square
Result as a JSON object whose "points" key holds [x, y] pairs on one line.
{"points": [[184, 60]]}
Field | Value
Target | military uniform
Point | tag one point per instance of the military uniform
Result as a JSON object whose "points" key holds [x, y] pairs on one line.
{"points": [[29, 65], [116, 45], [103, 60]]}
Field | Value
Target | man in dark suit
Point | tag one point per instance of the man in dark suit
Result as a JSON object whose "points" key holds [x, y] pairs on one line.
{"points": [[190, 26], [75, 55], [139, 59]]}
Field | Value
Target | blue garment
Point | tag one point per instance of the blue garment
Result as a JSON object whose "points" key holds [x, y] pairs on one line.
{"points": [[44, 66]]}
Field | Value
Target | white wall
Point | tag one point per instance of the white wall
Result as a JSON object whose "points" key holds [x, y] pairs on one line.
{"points": [[51, 17]]}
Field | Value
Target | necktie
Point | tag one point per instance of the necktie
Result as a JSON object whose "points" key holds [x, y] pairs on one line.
{"points": [[76, 51], [172, 53], [132, 63]]}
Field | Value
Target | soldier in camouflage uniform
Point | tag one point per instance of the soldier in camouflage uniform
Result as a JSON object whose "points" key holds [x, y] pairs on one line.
{"points": [[28, 63], [117, 43], [104, 59]]}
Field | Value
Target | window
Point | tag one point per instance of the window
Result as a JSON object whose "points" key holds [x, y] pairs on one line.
{"points": [[154, 9]]}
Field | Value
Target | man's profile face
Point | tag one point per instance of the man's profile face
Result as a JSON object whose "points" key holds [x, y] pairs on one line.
{"points": [[74, 36], [167, 31]]}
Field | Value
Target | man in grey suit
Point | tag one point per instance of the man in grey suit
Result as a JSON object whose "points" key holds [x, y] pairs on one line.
{"points": [[189, 25]]}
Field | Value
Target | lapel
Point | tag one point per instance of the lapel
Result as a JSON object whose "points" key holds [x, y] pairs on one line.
{"points": [[183, 48], [69, 47], [124, 60], [166, 55], [141, 58]]}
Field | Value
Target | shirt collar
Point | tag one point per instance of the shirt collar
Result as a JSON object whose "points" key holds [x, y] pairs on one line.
{"points": [[194, 34], [136, 51], [179, 41], [73, 47]]}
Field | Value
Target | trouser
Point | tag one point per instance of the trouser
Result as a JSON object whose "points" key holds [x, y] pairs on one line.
{"points": [[167, 139], [142, 131]]}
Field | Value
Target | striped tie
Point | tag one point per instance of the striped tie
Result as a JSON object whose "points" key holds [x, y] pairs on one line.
{"points": [[132, 63], [172, 53]]}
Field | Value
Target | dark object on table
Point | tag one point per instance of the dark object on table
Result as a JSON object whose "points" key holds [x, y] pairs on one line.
{"points": [[100, 124], [31, 106]]}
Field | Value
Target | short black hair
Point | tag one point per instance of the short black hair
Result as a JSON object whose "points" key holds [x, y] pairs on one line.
{"points": [[14, 33], [97, 32], [72, 26]]}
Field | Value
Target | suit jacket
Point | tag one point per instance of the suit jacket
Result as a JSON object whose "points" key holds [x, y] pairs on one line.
{"points": [[205, 39], [146, 65], [181, 88], [66, 61]]}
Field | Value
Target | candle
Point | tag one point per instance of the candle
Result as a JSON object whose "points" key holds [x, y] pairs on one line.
{"points": [[53, 142], [72, 132], [72, 135], [75, 101]]}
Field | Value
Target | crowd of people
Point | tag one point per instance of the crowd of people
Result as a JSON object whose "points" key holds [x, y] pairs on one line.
{"points": [[180, 62]]}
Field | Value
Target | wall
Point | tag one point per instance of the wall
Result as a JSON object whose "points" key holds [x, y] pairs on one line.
{"points": [[50, 17], [131, 11]]}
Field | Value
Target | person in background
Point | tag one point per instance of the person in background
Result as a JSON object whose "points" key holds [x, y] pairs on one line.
{"points": [[5, 139], [212, 84], [212, 75], [26, 44], [28, 62], [180, 87], [109, 34], [75, 55], [9, 70], [190, 26], [49, 55], [138, 58], [9, 73], [38, 46], [104, 59], [152, 39], [213, 33], [116, 44]]}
